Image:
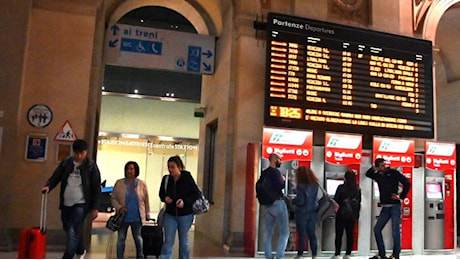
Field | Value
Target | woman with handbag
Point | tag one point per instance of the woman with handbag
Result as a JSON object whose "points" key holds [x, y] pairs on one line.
{"points": [[179, 191], [306, 209], [130, 197]]}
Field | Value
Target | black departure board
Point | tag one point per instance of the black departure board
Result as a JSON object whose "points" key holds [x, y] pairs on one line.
{"points": [[340, 78]]}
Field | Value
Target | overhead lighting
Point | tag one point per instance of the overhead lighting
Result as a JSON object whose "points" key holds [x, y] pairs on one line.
{"points": [[136, 91], [141, 20], [131, 136]]}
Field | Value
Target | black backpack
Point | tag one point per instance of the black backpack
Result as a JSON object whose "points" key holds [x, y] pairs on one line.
{"points": [[263, 187], [350, 208]]}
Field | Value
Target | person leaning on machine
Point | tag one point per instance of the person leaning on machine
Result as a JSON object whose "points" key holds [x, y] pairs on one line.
{"points": [[388, 180]]}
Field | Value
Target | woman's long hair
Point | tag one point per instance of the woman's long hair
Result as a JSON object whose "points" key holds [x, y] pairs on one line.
{"points": [[305, 175], [350, 180]]}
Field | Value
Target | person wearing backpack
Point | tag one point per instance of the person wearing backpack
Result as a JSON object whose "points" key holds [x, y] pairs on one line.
{"points": [[306, 209], [348, 196], [269, 190]]}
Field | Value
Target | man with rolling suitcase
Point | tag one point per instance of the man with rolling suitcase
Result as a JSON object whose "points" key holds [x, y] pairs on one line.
{"points": [[79, 195]]}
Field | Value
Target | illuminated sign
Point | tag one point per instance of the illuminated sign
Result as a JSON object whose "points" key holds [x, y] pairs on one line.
{"points": [[291, 144], [343, 149], [440, 156], [333, 77], [395, 152]]}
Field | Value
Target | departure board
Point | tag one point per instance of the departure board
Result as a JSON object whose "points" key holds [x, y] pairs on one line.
{"points": [[340, 78]]}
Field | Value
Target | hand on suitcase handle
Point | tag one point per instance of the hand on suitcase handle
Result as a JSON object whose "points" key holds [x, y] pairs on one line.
{"points": [[45, 189]]}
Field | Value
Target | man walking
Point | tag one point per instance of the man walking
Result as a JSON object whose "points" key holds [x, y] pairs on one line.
{"points": [[388, 181], [275, 213], [80, 188]]}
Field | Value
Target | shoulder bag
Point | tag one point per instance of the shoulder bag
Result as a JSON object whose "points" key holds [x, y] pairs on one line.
{"points": [[327, 207]]}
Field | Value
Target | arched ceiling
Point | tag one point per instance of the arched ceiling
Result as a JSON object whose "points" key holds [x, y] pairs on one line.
{"points": [[447, 41]]}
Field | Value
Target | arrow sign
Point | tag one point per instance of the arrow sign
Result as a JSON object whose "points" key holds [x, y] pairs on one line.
{"points": [[114, 29], [207, 67], [208, 54], [113, 43]]}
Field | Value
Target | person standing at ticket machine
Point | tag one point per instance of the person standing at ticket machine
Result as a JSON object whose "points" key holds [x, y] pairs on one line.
{"points": [[388, 181]]}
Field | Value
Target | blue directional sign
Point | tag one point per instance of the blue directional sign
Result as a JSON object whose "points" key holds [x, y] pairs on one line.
{"points": [[151, 48], [140, 46]]}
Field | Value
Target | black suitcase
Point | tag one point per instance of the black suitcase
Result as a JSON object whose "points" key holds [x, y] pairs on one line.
{"points": [[152, 236]]}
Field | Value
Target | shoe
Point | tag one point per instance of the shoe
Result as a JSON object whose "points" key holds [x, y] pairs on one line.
{"points": [[298, 257], [346, 257], [82, 256], [375, 257], [335, 257]]}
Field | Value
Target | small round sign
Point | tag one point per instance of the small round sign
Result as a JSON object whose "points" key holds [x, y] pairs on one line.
{"points": [[39, 115]]}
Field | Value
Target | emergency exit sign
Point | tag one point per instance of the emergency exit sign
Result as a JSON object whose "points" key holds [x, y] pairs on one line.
{"points": [[151, 48]]}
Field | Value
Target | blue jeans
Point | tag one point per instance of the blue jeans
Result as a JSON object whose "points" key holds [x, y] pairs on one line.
{"points": [[72, 222], [276, 213], [306, 225], [387, 213], [182, 224], [137, 236]]}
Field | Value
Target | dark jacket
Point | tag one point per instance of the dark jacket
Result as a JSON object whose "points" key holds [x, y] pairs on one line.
{"points": [[273, 175], [343, 192], [184, 188], [388, 182], [90, 177]]}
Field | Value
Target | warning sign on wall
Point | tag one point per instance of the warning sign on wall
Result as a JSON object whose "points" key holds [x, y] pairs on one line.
{"points": [[66, 134]]}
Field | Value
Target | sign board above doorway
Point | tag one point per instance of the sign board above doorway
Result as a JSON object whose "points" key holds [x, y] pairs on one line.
{"points": [[151, 48]]}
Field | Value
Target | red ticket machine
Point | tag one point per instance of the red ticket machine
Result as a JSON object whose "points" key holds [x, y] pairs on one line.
{"points": [[342, 152], [440, 166], [398, 154]]}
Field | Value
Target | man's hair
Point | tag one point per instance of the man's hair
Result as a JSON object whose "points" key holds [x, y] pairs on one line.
{"points": [[79, 146], [378, 161], [274, 156]]}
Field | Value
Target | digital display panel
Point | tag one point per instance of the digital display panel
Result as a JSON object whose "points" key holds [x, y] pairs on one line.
{"points": [[339, 78], [433, 190], [331, 186]]}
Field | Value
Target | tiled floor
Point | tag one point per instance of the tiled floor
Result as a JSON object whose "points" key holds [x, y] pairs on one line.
{"points": [[200, 248]]}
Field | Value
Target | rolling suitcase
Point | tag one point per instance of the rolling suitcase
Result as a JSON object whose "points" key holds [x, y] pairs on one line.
{"points": [[152, 235], [32, 241]]}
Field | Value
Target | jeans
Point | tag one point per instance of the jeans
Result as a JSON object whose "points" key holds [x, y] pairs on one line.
{"points": [[182, 224], [306, 225], [276, 213], [340, 225], [137, 236], [72, 222], [387, 213]]}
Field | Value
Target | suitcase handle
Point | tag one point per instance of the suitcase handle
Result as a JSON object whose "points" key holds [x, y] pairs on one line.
{"points": [[43, 212]]}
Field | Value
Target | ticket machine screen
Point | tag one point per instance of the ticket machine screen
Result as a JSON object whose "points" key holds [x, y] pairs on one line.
{"points": [[433, 190], [331, 186]]}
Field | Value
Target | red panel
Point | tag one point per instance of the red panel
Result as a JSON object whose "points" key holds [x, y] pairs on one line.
{"points": [[449, 211], [250, 206], [406, 223]]}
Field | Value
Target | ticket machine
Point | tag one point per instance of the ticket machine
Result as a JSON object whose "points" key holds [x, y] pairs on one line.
{"points": [[434, 210], [342, 152], [398, 154], [439, 221]]}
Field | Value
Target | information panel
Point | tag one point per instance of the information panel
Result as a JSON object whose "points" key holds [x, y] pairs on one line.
{"points": [[339, 78]]}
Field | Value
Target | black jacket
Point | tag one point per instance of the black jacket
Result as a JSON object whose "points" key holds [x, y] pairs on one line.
{"points": [[184, 188], [273, 175], [90, 177], [388, 182]]}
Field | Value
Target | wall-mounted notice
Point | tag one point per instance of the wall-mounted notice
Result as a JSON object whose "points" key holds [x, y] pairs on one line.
{"points": [[36, 147]]}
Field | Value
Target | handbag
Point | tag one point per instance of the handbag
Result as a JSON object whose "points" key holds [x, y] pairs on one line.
{"points": [[115, 221], [327, 207], [201, 205]]}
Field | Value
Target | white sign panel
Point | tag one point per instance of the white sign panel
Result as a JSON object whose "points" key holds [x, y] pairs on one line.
{"points": [[145, 47]]}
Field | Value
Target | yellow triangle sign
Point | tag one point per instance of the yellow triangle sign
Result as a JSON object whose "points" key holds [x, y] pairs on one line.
{"points": [[66, 134]]}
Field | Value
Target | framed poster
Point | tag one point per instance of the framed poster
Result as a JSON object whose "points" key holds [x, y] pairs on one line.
{"points": [[63, 151], [36, 147]]}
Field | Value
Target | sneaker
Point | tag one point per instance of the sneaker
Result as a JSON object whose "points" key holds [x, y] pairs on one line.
{"points": [[346, 257], [335, 257], [82, 256]]}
